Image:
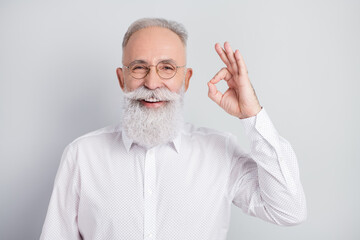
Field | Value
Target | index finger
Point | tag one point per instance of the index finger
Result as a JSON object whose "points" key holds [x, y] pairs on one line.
{"points": [[221, 52]]}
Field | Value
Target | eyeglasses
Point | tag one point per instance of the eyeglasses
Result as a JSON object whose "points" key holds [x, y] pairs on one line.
{"points": [[165, 69]]}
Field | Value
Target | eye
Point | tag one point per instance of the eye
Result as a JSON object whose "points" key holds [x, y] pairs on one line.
{"points": [[166, 67], [138, 68]]}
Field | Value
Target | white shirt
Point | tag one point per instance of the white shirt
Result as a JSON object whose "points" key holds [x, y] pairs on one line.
{"points": [[108, 187]]}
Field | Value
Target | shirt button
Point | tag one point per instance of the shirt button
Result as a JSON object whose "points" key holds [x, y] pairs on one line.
{"points": [[149, 191], [150, 235]]}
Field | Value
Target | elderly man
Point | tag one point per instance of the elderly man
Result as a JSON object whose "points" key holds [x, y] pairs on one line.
{"points": [[154, 176]]}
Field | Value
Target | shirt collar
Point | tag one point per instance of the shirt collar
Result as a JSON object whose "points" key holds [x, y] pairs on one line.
{"points": [[126, 140], [176, 142]]}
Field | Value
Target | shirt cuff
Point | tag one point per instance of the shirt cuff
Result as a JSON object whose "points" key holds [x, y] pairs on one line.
{"points": [[260, 124]]}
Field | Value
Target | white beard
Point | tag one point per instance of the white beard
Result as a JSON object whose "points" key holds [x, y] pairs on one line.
{"points": [[150, 127]]}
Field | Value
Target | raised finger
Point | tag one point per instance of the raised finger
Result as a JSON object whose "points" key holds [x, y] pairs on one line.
{"points": [[231, 57], [221, 52], [241, 63]]}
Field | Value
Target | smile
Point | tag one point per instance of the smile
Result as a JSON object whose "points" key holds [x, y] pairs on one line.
{"points": [[152, 102]]}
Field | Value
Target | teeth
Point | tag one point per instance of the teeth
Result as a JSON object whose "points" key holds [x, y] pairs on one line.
{"points": [[152, 100]]}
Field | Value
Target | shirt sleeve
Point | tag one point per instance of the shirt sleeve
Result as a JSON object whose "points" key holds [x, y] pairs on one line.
{"points": [[61, 217], [265, 182]]}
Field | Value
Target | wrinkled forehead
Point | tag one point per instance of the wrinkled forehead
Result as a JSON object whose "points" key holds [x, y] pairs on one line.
{"points": [[153, 44]]}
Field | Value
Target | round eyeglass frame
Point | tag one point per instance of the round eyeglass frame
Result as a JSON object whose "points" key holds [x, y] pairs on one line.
{"points": [[157, 70]]}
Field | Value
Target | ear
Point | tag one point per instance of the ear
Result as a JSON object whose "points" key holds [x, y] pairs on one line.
{"points": [[188, 75], [120, 76]]}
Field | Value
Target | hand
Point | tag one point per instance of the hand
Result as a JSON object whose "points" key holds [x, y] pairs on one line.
{"points": [[239, 99]]}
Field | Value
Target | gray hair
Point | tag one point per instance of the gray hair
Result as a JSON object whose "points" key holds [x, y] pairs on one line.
{"points": [[139, 24]]}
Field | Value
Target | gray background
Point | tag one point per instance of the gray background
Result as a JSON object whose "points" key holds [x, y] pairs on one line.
{"points": [[57, 82]]}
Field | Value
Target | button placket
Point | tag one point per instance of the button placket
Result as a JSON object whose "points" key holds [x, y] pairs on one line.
{"points": [[149, 196]]}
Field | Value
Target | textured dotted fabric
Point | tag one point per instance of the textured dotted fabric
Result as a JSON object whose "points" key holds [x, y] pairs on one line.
{"points": [[108, 187]]}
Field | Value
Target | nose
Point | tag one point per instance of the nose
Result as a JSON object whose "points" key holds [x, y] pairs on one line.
{"points": [[152, 80]]}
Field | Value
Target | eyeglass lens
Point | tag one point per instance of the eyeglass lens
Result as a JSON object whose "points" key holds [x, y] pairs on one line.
{"points": [[164, 70]]}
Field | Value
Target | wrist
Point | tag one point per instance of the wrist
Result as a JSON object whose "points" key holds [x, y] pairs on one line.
{"points": [[252, 113]]}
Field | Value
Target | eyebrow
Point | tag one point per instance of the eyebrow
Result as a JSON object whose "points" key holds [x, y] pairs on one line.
{"points": [[141, 61]]}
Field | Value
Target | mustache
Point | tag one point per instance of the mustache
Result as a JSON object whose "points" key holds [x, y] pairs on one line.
{"points": [[162, 94]]}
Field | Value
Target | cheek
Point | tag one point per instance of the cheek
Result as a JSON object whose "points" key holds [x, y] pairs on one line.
{"points": [[174, 86], [132, 84]]}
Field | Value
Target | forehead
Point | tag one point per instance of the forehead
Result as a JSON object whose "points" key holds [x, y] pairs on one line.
{"points": [[152, 44]]}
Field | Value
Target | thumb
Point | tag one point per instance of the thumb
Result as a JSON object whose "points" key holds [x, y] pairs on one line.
{"points": [[213, 93]]}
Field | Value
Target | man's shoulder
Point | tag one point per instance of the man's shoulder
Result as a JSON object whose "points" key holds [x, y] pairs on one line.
{"points": [[191, 129], [100, 134]]}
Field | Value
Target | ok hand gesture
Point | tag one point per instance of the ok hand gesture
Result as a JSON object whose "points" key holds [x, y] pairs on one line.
{"points": [[239, 99]]}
